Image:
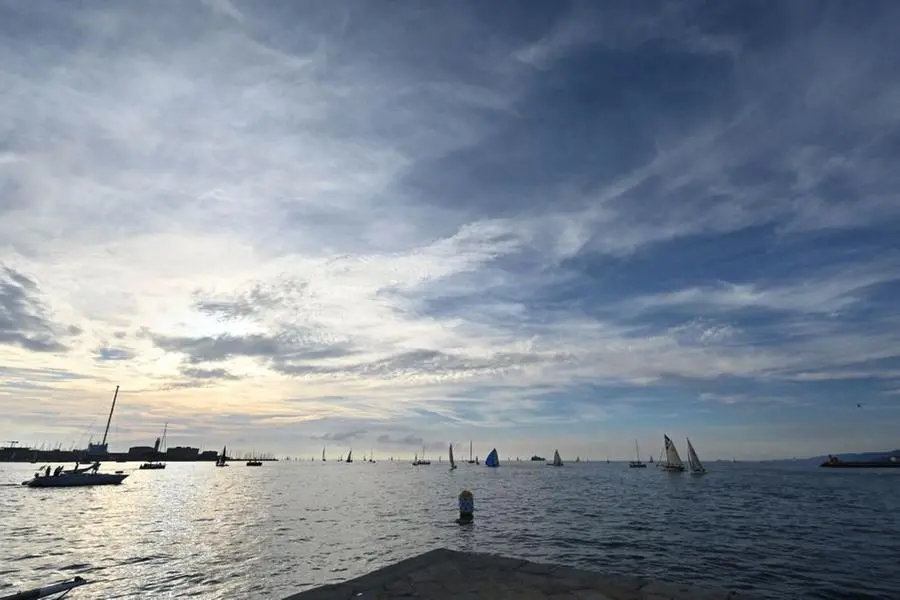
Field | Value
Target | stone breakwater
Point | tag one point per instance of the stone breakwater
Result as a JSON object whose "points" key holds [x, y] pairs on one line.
{"points": [[448, 574]]}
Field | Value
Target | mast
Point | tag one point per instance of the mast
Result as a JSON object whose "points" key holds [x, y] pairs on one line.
{"points": [[470, 450], [109, 420]]}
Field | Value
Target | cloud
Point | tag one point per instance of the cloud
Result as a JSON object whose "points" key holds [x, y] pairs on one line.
{"points": [[108, 354], [197, 373], [407, 440], [24, 319], [344, 436], [447, 223]]}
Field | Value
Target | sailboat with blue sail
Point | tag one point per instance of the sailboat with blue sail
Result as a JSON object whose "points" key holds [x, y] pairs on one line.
{"points": [[492, 460]]}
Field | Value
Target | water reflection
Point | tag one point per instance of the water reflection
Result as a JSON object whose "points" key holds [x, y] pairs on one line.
{"points": [[271, 531]]}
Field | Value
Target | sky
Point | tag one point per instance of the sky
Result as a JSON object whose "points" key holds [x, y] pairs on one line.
{"points": [[388, 225]]}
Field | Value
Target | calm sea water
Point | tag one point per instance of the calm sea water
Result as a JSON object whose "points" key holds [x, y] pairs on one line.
{"points": [[195, 530]]}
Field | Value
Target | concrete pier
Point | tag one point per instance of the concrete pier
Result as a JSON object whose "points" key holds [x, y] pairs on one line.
{"points": [[453, 575]]}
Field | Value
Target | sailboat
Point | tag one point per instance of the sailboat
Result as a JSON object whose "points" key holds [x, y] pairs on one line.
{"points": [[470, 461], [222, 460], [694, 463], [492, 460], [254, 461], [79, 477], [349, 456], [323, 453], [673, 461], [636, 463], [421, 461], [452, 462], [371, 456], [557, 461], [160, 444]]}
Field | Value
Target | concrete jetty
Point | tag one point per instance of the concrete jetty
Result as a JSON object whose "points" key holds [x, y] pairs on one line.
{"points": [[448, 574]]}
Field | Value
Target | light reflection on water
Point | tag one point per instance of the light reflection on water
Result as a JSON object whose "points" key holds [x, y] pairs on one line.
{"points": [[195, 530]]}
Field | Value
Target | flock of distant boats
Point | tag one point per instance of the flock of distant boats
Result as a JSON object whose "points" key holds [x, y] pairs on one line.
{"points": [[90, 475]]}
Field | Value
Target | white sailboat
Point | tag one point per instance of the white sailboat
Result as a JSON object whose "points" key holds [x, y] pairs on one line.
{"points": [[452, 462], [694, 463], [673, 461], [557, 461]]}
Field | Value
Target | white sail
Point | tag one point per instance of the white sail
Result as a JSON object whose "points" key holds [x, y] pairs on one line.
{"points": [[693, 460], [672, 458], [452, 462], [557, 461]]}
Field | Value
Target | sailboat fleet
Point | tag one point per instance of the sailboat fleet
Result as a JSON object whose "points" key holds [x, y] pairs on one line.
{"points": [[90, 475], [671, 461]]}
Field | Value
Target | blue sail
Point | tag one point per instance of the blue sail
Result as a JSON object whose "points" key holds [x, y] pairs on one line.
{"points": [[492, 460]]}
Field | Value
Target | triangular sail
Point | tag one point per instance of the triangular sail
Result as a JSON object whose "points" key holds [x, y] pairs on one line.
{"points": [[672, 458], [452, 462], [492, 460], [694, 460], [557, 461], [323, 453]]}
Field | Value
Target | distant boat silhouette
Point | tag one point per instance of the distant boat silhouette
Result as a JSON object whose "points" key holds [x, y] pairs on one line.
{"points": [[557, 461], [636, 463]]}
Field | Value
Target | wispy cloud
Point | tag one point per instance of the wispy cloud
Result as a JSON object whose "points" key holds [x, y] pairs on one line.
{"points": [[423, 225]]}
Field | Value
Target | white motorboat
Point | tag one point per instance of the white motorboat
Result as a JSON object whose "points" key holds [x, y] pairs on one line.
{"points": [[77, 477]]}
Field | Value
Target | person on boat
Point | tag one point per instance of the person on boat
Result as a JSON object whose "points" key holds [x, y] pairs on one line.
{"points": [[47, 472], [57, 471]]}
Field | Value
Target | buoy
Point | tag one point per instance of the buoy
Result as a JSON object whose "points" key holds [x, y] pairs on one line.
{"points": [[466, 507]]}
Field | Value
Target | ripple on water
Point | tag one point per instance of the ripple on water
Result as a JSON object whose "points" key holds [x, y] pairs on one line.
{"points": [[193, 530]]}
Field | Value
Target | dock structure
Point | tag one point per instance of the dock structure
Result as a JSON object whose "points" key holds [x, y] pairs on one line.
{"points": [[446, 574]]}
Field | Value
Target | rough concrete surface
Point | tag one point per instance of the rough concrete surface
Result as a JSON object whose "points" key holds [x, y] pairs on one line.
{"points": [[463, 576]]}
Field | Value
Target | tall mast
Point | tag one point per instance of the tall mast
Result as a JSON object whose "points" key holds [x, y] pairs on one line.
{"points": [[109, 420]]}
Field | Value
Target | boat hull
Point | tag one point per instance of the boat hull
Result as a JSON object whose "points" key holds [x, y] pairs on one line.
{"points": [[78, 480], [151, 466], [862, 465]]}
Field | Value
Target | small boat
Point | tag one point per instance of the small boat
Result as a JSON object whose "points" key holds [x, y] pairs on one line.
{"points": [[470, 461], [834, 462], [421, 461], [492, 460], [62, 587], [349, 456], [636, 463], [253, 462], [452, 462], [323, 453], [371, 456], [673, 461], [557, 461], [694, 463], [158, 449], [536, 458], [77, 477], [222, 461]]}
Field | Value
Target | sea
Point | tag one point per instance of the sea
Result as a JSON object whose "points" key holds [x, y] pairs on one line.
{"points": [[778, 531]]}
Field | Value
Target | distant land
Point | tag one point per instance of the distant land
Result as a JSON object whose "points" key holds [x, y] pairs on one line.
{"points": [[859, 456]]}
